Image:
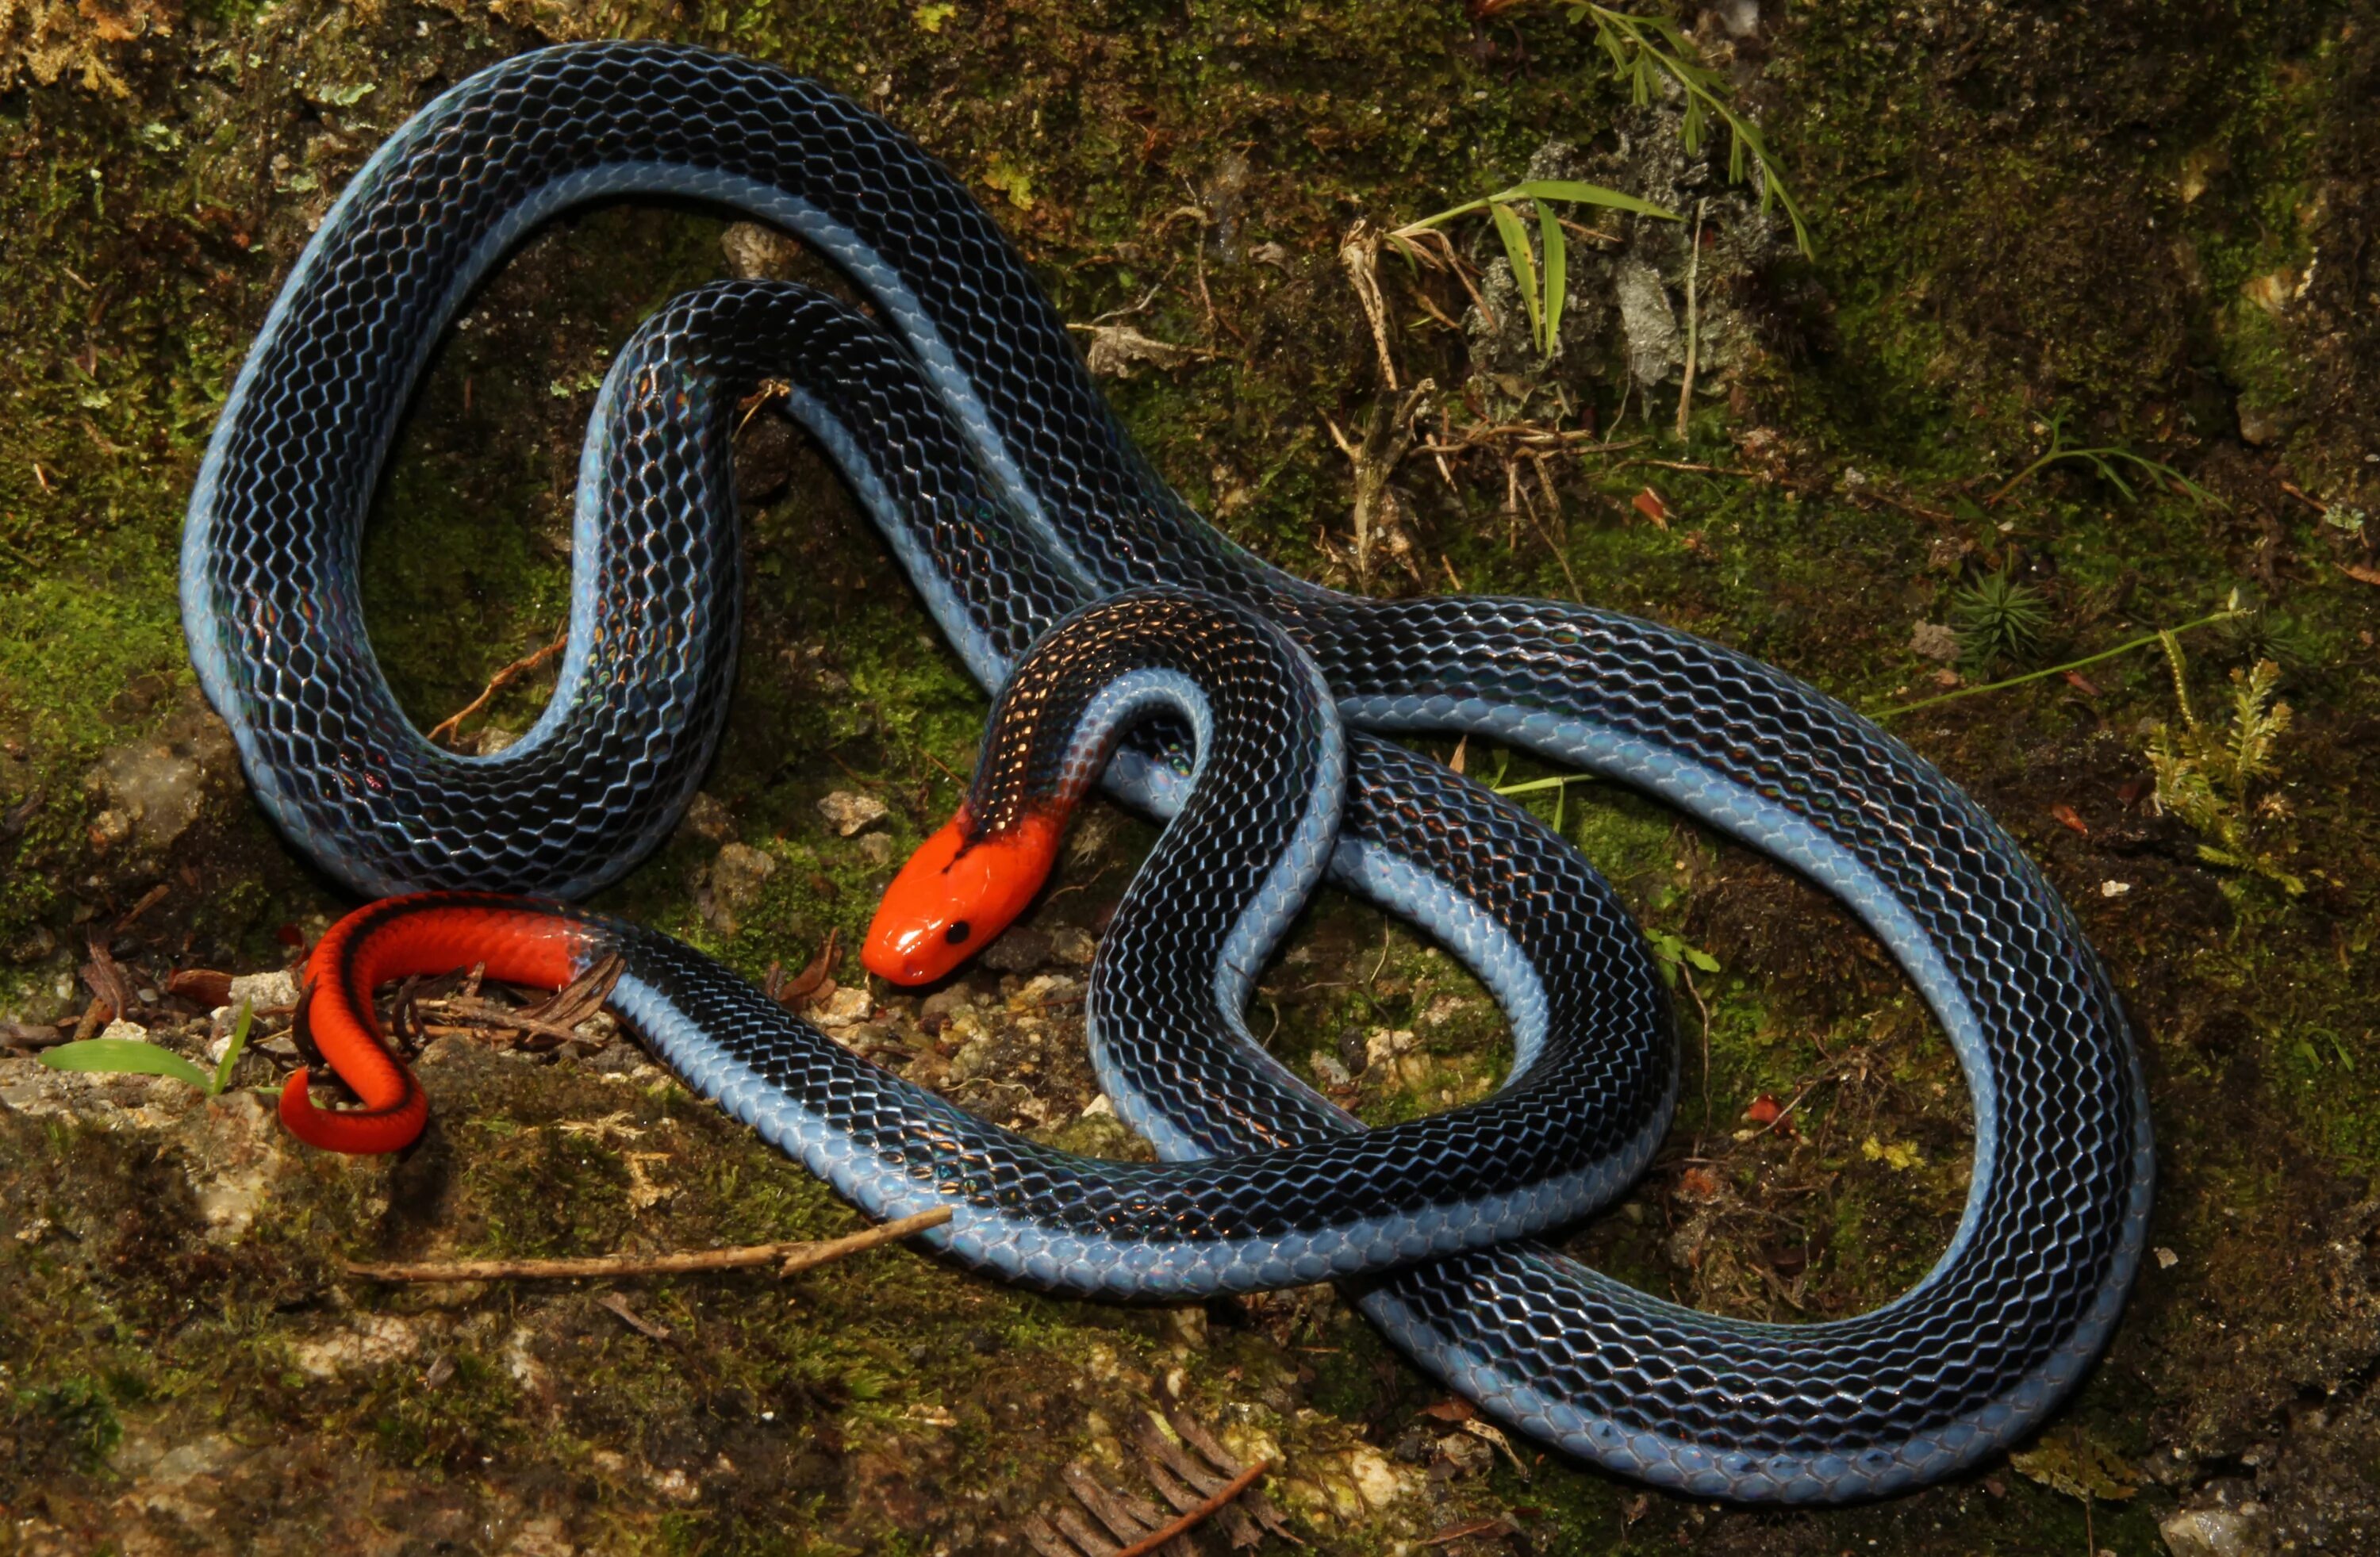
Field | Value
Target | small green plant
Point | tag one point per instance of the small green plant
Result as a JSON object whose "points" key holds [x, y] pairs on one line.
{"points": [[1559, 784], [134, 1057], [1672, 953], [2209, 778], [1895, 711], [1645, 48], [1544, 294], [2105, 460], [2259, 633], [1998, 618]]}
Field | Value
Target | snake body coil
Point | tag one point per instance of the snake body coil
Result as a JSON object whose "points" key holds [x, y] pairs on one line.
{"points": [[968, 429]]}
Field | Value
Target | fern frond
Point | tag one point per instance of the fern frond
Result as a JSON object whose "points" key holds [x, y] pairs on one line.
{"points": [[2257, 723]]}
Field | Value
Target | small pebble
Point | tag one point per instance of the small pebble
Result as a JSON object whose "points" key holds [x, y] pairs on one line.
{"points": [[848, 813]]}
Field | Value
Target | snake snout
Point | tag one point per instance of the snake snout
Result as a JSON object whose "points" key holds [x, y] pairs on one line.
{"points": [[955, 895]]}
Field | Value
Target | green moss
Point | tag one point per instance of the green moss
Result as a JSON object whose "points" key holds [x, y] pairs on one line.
{"points": [[472, 1415], [466, 565], [73, 1424]]}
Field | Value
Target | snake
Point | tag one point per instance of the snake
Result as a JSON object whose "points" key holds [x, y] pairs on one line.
{"points": [[962, 417]]}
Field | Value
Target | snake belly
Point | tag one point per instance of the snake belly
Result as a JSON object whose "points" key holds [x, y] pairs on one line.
{"points": [[1011, 495]]}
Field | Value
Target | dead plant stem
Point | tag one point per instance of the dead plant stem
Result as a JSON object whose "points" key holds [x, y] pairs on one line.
{"points": [[787, 1257]]}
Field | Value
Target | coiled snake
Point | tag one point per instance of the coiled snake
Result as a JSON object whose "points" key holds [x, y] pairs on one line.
{"points": [[965, 421]]}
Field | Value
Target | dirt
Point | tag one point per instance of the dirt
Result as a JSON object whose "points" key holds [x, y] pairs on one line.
{"points": [[2134, 227]]}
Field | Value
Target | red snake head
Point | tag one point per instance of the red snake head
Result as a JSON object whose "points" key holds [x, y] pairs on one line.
{"points": [[957, 893]]}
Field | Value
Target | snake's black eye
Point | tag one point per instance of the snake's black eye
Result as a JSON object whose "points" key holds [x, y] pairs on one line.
{"points": [[958, 933]]}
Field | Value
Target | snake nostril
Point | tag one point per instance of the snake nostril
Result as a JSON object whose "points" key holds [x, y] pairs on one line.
{"points": [[958, 933]]}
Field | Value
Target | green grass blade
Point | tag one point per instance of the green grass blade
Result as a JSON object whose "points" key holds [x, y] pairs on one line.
{"points": [[124, 1057], [1449, 214], [2107, 473], [1557, 261], [1524, 264], [1578, 192], [231, 1051], [1537, 786]]}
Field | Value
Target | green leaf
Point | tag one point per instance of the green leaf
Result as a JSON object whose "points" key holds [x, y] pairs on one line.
{"points": [[1612, 46], [2106, 472], [231, 1051], [1670, 33], [124, 1057], [1579, 192], [1557, 251], [1670, 952], [1524, 264]]}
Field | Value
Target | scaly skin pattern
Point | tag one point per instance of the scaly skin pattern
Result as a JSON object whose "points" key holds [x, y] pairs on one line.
{"points": [[1244, 850], [972, 435], [392, 939]]}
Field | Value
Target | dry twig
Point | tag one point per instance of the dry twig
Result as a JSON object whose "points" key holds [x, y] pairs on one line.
{"points": [[1694, 274], [652, 1329], [1359, 255], [1387, 438], [1199, 1514], [149, 900], [446, 728], [787, 1257], [543, 1026], [578, 1000], [1194, 1476]]}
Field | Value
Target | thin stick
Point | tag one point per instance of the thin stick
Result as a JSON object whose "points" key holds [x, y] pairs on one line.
{"points": [[1197, 1515], [1693, 271], [788, 1258], [1782, 1113], [149, 900], [445, 728], [1559, 556], [2054, 671], [1690, 464], [1687, 976]]}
